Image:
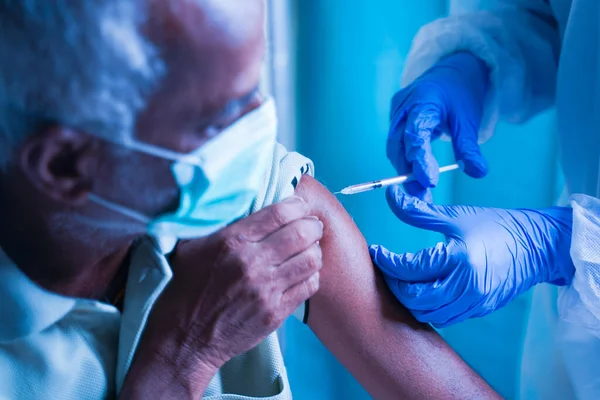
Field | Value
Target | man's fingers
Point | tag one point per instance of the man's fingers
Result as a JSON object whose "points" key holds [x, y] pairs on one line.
{"points": [[300, 267], [270, 219], [298, 294], [292, 239]]}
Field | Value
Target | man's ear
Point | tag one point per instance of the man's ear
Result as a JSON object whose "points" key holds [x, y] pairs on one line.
{"points": [[61, 163]]}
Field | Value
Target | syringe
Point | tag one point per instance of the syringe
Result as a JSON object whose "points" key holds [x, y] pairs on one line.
{"points": [[365, 187]]}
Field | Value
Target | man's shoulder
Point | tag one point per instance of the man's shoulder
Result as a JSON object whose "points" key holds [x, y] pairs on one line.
{"points": [[27, 308]]}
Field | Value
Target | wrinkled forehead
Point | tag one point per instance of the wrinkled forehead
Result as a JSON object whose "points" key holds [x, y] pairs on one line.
{"points": [[210, 40], [213, 53], [236, 20], [232, 21]]}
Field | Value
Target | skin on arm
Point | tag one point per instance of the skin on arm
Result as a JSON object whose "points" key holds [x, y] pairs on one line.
{"points": [[358, 319]]}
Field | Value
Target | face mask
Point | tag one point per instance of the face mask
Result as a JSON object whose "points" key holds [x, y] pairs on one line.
{"points": [[218, 182]]}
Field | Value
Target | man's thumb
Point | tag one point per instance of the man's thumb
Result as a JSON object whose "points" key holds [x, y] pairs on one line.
{"points": [[416, 212]]}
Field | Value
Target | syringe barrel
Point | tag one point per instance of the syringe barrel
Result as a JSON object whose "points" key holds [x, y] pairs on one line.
{"points": [[363, 187]]}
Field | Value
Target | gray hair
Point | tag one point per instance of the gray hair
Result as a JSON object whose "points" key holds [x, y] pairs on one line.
{"points": [[82, 64]]}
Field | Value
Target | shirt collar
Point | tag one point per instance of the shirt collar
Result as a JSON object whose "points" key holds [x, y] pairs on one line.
{"points": [[149, 274], [26, 307]]}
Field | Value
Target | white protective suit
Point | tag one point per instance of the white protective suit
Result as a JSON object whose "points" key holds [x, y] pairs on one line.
{"points": [[543, 53]]}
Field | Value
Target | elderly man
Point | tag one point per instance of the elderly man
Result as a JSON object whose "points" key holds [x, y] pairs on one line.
{"points": [[132, 137]]}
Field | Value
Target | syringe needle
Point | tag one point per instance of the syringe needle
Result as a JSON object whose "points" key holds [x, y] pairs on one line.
{"points": [[365, 187]]}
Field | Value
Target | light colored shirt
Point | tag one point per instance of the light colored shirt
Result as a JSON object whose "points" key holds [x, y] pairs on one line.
{"points": [[55, 347]]}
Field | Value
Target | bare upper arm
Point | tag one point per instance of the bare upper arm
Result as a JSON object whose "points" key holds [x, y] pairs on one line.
{"points": [[348, 279], [360, 321]]}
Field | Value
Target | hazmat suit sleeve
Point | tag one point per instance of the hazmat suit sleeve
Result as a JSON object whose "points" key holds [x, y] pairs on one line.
{"points": [[580, 304], [578, 328], [518, 39]]}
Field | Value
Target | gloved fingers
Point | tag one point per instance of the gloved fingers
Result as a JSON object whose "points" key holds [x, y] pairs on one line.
{"points": [[395, 149], [401, 102], [422, 125], [464, 309], [417, 190], [438, 302], [423, 298], [416, 212], [397, 155], [454, 311], [437, 322], [472, 301], [424, 266], [418, 298], [468, 154]]}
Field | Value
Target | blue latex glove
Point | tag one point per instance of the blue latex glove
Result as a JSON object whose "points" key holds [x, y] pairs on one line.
{"points": [[448, 98], [490, 256]]}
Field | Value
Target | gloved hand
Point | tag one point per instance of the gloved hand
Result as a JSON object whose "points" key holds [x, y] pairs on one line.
{"points": [[490, 256], [447, 99]]}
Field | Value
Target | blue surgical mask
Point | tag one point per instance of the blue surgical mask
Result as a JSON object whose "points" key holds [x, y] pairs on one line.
{"points": [[218, 182]]}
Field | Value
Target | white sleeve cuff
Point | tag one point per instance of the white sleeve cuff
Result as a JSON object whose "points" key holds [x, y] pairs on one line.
{"points": [[584, 306]]}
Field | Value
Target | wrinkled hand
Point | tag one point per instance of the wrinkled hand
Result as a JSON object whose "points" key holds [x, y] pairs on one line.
{"points": [[448, 98], [232, 289], [490, 257]]}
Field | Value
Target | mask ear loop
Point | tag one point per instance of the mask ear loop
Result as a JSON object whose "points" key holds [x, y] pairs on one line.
{"points": [[164, 154], [119, 209], [254, 118], [151, 150], [250, 119]]}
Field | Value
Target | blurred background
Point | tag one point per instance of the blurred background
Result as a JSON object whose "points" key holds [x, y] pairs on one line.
{"points": [[333, 67]]}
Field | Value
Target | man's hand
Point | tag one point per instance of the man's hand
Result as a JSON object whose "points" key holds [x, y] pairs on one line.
{"points": [[232, 289]]}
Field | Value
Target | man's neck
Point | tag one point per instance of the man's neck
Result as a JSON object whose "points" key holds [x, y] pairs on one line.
{"points": [[81, 264]]}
